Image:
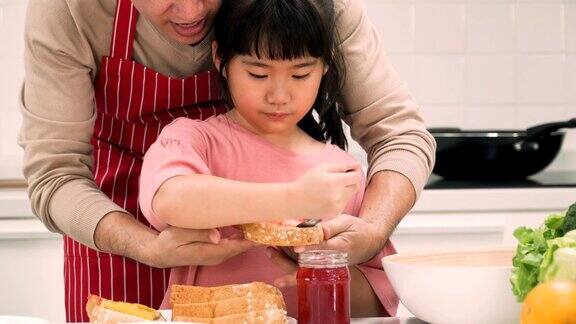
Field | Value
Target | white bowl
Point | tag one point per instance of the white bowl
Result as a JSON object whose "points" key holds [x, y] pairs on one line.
{"points": [[448, 287]]}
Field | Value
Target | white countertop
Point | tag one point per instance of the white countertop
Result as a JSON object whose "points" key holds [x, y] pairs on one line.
{"points": [[500, 199]]}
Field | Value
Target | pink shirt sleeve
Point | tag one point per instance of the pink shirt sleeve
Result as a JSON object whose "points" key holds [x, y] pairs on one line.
{"points": [[180, 149]]}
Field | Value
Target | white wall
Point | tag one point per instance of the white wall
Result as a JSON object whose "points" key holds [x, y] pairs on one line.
{"points": [[476, 64], [12, 14], [471, 63]]}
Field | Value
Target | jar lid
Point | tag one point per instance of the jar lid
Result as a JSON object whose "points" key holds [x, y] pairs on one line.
{"points": [[323, 259]]}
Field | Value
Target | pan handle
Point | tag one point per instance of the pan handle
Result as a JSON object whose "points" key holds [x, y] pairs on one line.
{"points": [[530, 142], [545, 129]]}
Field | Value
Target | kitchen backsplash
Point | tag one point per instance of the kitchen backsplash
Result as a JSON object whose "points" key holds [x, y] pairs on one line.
{"points": [[12, 14], [474, 64], [478, 64]]}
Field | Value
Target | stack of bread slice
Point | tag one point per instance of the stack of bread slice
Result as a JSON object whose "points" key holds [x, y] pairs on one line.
{"points": [[252, 303]]}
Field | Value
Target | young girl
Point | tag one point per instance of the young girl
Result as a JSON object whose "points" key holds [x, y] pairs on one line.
{"points": [[268, 158]]}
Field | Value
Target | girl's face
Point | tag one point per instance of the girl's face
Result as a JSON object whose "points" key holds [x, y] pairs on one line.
{"points": [[272, 96], [185, 21]]}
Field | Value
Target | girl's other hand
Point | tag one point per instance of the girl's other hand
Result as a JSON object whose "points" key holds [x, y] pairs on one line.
{"points": [[325, 190], [286, 263]]}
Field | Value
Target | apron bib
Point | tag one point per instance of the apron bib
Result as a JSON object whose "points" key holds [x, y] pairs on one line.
{"points": [[133, 104]]}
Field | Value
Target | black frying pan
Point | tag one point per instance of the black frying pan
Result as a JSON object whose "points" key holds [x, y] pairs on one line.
{"points": [[494, 154]]}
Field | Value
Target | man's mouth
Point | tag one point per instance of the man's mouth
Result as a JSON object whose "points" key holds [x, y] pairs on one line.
{"points": [[190, 29]]}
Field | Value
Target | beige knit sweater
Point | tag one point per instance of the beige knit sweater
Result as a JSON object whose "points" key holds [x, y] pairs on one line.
{"points": [[64, 43]]}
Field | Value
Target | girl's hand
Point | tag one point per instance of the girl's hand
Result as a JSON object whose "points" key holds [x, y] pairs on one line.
{"points": [[286, 263], [325, 190], [349, 234]]}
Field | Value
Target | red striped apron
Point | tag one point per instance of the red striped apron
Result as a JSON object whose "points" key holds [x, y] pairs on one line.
{"points": [[133, 103]]}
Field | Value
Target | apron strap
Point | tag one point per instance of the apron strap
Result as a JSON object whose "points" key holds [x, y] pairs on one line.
{"points": [[124, 29]]}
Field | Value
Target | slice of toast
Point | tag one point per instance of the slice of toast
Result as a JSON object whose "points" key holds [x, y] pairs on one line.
{"points": [[282, 235], [181, 294], [240, 305], [102, 310]]}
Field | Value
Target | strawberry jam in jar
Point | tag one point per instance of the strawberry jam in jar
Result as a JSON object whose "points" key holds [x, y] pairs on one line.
{"points": [[323, 287]]}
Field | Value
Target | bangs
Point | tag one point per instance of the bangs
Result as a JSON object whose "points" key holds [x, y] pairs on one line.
{"points": [[280, 30]]}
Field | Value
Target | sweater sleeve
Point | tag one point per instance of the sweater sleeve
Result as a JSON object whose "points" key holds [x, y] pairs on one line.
{"points": [[378, 107], [57, 105]]}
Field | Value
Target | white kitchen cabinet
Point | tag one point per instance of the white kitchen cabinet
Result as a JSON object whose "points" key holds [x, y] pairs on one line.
{"points": [[31, 262], [31, 271], [474, 218], [463, 230], [429, 231]]}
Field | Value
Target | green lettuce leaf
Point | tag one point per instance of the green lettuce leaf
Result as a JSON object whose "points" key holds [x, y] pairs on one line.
{"points": [[530, 252], [559, 261]]}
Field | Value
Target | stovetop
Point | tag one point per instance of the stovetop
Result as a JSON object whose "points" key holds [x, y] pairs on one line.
{"points": [[546, 179]]}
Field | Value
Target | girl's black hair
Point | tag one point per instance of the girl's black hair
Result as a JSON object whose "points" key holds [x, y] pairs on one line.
{"points": [[286, 30]]}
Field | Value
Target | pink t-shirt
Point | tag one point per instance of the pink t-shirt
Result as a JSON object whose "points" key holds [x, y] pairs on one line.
{"points": [[220, 147]]}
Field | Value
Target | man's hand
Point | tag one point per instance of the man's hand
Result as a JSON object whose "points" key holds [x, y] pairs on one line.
{"points": [[176, 247], [343, 233], [350, 234], [119, 233]]}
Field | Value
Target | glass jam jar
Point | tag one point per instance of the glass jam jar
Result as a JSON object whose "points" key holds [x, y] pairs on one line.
{"points": [[323, 287]]}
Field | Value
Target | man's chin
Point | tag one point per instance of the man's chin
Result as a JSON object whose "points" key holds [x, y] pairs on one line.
{"points": [[196, 42], [190, 41]]}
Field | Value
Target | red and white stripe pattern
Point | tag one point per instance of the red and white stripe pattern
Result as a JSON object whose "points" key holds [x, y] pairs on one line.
{"points": [[133, 104]]}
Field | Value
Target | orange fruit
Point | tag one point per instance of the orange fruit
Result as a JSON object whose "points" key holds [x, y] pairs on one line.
{"points": [[552, 302]]}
